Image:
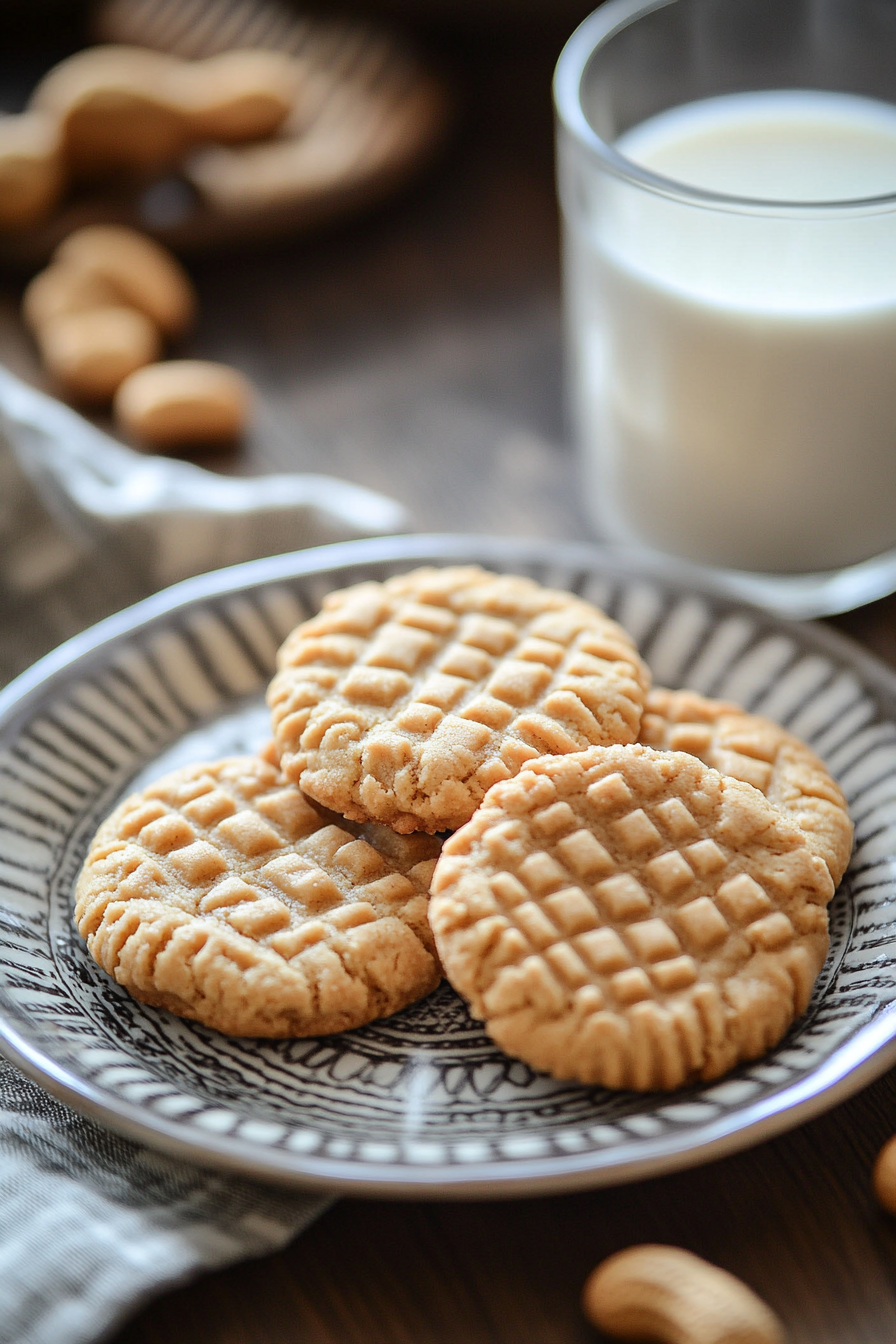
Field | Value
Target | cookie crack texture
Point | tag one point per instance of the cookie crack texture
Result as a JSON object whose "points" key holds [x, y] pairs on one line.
{"points": [[631, 918], [223, 894], [405, 701]]}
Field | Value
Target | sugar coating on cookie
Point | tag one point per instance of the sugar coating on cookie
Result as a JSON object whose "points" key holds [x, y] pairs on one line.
{"points": [[403, 701], [758, 751], [222, 894], [631, 918]]}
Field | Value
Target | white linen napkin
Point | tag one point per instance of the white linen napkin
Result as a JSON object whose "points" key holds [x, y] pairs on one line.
{"points": [[92, 1225], [88, 526]]}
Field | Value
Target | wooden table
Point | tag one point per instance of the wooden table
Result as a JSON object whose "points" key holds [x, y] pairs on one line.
{"points": [[418, 352]]}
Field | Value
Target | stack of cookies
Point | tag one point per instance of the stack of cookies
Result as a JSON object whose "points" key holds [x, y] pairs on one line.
{"points": [[633, 892]]}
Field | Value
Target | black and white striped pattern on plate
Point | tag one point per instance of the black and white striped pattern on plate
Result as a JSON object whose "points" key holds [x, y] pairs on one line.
{"points": [[422, 1101]]}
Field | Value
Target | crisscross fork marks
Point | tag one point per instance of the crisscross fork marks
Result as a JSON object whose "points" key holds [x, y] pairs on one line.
{"points": [[757, 751], [630, 917], [222, 894], [404, 702]]}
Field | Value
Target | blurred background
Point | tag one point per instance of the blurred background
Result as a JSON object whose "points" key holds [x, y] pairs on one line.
{"points": [[415, 345]]}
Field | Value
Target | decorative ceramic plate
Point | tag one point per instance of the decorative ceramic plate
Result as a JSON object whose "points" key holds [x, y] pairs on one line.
{"points": [[422, 1102]]}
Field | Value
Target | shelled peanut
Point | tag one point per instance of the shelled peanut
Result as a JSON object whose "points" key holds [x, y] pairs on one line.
{"points": [[669, 1295], [129, 108], [89, 353], [140, 271], [103, 308], [183, 403], [884, 1176], [100, 314], [31, 172]]}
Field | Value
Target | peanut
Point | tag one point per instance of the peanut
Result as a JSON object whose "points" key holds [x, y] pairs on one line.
{"points": [[90, 353], [31, 177], [112, 110], [667, 1294], [131, 108], [183, 403], [62, 289], [237, 95], [884, 1176], [143, 274]]}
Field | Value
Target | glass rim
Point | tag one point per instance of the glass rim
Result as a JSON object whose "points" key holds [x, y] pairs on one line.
{"points": [[593, 33]]}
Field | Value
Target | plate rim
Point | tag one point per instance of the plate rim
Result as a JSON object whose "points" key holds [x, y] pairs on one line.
{"points": [[848, 1069]]}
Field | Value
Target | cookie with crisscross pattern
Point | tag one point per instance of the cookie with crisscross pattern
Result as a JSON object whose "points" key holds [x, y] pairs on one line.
{"points": [[222, 894], [403, 701], [752, 748], [631, 918]]}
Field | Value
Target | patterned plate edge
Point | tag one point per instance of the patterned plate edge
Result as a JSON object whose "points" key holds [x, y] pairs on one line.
{"points": [[849, 1068]]}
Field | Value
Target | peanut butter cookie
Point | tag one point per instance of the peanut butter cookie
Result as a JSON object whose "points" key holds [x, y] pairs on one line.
{"points": [[759, 752], [403, 701], [222, 894], [631, 918]]}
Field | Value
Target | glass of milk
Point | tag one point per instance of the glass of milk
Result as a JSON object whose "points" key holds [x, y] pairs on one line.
{"points": [[727, 174]]}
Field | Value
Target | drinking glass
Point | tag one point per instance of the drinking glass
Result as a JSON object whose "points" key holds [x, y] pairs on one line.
{"points": [[731, 358]]}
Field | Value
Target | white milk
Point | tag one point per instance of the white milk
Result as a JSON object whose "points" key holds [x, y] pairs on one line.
{"points": [[735, 376]]}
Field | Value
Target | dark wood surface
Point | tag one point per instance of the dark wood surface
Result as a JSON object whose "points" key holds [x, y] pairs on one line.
{"points": [[418, 351]]}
